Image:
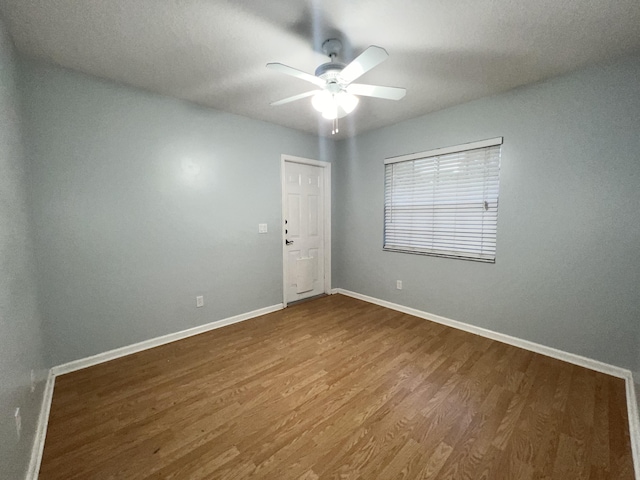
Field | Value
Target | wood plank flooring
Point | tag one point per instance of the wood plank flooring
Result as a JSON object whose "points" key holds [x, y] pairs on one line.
{"points": [[337, 388]]}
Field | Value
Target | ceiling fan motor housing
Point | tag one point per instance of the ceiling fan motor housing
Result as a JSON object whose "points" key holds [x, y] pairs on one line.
{"points": [[329, 71]]}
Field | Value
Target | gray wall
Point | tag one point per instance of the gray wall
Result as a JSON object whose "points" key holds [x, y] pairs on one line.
{"points": [[125, 238], [20, 326], [567, 273]]}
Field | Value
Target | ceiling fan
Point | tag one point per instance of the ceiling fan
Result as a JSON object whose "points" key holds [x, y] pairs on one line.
{"points": [[336, 96]]}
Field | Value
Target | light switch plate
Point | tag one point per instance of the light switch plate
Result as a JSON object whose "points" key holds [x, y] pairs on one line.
{"points": [[262, 228]]}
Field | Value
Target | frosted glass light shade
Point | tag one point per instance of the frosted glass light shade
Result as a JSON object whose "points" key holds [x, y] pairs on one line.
{"points": [[347, 101], [331, 111], [322, 101]]}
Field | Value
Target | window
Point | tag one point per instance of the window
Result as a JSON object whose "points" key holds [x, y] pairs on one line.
{"points": [[444, 202]]}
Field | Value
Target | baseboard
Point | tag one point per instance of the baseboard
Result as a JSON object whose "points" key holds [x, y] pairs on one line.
{"points": [[632, 405], [41, 428], [501, 337], [334, 291], [156, 342], [634, 423]]}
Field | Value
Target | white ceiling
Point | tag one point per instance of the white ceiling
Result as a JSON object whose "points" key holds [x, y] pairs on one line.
{"points": [[213, 52]]}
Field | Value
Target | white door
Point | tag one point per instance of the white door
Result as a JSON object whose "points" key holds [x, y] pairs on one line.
{"points": [[304, 231]]}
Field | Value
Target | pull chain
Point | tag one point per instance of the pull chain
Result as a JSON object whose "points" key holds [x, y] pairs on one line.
{"points": [[335, 127]]}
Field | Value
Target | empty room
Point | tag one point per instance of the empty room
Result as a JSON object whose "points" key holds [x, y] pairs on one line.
{"points": [[319, 239]]}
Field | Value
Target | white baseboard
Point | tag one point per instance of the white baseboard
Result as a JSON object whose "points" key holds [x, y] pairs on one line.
{"points": [[41, 428], [334, 291], [155, 342], [634, 423], [501, 337], [632, 405]]}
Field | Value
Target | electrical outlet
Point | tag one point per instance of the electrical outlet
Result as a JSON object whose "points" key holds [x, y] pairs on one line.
{"points": [[33, 381], [399, 284], [199, 301], [18, 418]]}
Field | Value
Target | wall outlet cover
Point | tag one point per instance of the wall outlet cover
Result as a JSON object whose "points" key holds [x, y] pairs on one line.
{"points": [[199, 301], [399, 284]]}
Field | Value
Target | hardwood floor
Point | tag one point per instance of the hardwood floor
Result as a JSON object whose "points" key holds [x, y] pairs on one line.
{"points": [[337, 388]]}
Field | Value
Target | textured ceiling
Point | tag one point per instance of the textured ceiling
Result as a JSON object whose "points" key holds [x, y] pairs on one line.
{"points": [[214, 52]]}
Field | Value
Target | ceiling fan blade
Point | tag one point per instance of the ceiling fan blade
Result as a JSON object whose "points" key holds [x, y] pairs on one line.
{"points": [[294, 72], [294, 98], [364, 62], [388, 93]]}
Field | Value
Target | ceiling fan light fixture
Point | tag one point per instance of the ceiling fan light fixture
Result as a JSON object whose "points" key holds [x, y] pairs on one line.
{"points": [[334, 105]]}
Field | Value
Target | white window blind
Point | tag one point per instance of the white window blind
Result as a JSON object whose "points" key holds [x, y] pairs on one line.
{"points": [[444, 202]]}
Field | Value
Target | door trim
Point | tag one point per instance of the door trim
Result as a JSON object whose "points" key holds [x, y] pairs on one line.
{"points": [[326, 180]]}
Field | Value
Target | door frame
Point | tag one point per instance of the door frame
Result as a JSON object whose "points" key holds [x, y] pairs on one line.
{"points": [[326, 180]]}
